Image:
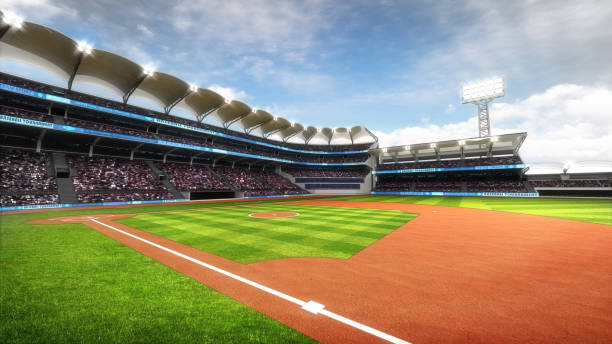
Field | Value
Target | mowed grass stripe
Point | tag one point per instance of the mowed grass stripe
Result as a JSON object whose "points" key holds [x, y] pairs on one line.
{"points": [[319, 231], [323, 233], [352, 226], [580, 209]]}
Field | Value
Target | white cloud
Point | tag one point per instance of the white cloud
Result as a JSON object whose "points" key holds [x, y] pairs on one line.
{"points": [[530, 42], [228, 92], [300, 81], [145, 30], [265, 25], [38, 10], [564, 123]]}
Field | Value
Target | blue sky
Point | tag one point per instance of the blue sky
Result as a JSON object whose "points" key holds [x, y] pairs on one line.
{"points": [[394, 66]]}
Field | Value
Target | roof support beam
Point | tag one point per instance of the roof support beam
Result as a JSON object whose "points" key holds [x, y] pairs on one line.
{"points": [[169, 107], [168, 152], [92, 145], [128, 94], [286, 138], [40, 138], [310, 138], [250, 129], [134, 149], [371, 134], [75, 69], [201, 117], [218, 158], [351, 136], [4, 30], [228, 123], [193, 157], [268, 134]]}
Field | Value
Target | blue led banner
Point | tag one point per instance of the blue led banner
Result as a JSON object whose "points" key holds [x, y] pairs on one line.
{"points": [[274, 196], [452, 169], [155, 120], [68, 128], [55, 205], [434, 193]]}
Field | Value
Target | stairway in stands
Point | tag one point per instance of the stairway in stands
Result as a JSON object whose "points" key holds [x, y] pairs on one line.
{"points": [[63, 177], [161, 176], [221, 178], [528, 186]]}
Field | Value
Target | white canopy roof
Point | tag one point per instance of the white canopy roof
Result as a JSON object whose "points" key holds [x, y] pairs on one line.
{"points": [[59, 54]]}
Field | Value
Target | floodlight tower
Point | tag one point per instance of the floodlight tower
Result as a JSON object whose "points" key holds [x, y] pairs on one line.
{"points": [[481, 93]]}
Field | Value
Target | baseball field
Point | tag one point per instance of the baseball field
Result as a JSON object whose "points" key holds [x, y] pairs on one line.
{"points": [[351, 269]]}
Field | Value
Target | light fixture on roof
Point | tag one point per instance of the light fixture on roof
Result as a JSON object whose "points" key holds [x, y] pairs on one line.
{"points": [[494, 139], [385, 150], [84, 47], [193, 87], [148, 70], [12, 19], [461, 142], [227, 101], [407, 148], [432, 145]]}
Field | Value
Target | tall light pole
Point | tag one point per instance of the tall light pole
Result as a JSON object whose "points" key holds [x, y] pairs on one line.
{"points": [[481, 93]]}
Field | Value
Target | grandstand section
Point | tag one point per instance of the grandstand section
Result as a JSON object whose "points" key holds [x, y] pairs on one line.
{"points": [[468, 167], [583, 179], [103, 154]]}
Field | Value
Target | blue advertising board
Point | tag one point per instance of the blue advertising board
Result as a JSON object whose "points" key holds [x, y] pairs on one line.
{"points": [[452, 169], [478, 194]]}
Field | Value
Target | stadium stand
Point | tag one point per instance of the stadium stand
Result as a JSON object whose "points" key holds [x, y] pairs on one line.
{"points": [[192, 178], [25, 178]]}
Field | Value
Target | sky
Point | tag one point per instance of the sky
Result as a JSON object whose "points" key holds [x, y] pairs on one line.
{"points": [[396, 67]]}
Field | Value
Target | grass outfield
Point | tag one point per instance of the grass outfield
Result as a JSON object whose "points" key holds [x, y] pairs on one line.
{"points": [[318, 231], [580, 209], [68, 283]]}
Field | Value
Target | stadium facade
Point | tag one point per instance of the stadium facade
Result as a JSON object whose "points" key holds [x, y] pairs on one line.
{"points": [[62, 147]]}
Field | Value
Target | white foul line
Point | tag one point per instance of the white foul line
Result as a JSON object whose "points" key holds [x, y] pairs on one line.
{"points": [[284, 296]]}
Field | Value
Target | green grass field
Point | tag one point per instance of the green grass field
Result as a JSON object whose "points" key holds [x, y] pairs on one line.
{"points": [[67, 283], [333, 232], [587, 210]]}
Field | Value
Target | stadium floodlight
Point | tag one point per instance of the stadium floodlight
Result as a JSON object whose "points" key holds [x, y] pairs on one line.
{"points": [[494, 139], [84, 47], [193, 87], [407, 148], [148, 70], [12, 19], [481, 93], [432, 145], [461, 142]]}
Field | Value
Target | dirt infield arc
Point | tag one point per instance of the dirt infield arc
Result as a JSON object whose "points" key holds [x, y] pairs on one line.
{"points": [[451, 275]]}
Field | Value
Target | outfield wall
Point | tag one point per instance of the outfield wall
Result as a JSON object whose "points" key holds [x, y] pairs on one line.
{"points": [[78, 205], [476, 194]]}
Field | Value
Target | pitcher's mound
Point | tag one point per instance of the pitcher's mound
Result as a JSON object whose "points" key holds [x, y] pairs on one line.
{"points": [[274, 214]]}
